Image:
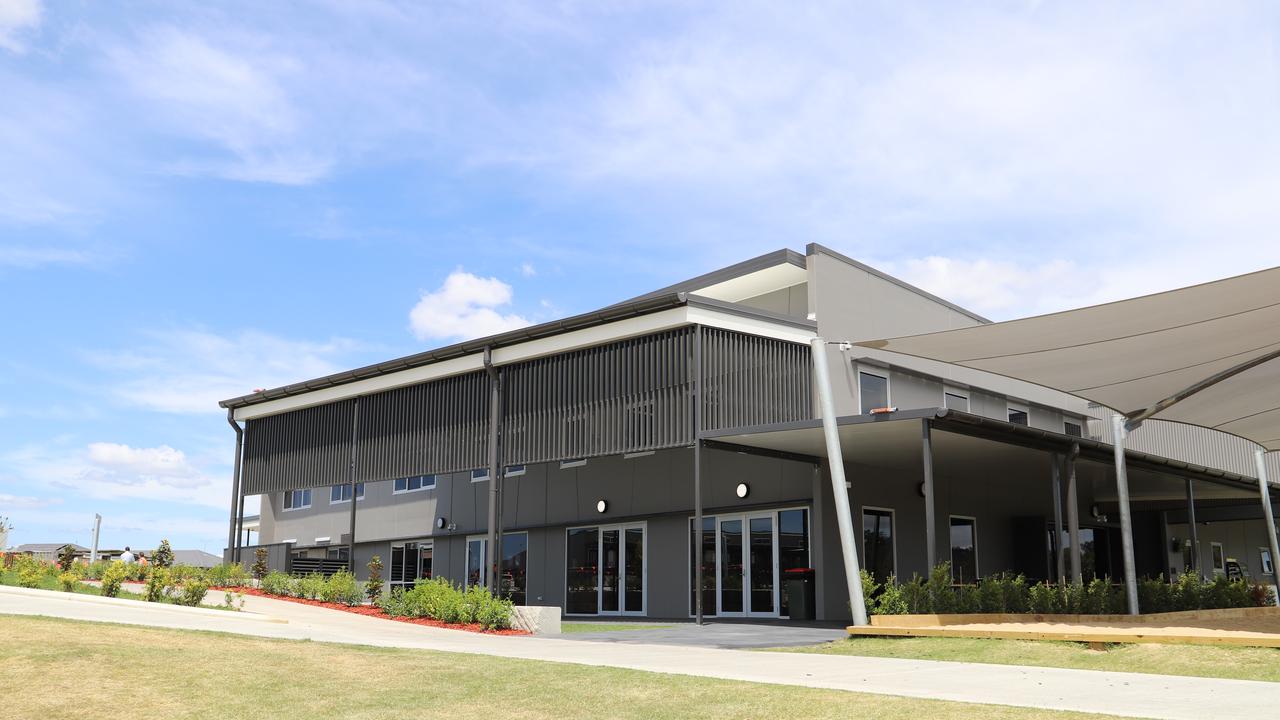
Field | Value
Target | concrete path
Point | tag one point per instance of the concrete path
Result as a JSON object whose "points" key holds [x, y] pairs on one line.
{"points": [[726, 635], [1127, 694]]}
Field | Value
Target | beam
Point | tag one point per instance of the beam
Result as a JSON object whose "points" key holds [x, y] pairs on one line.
{"points": [[839, 491], [1118, 431], [1059, 551], [1264, 489], [351, 480], [1073, 515], [490, 552], [930, 518], [1196, 565], [697, 473]]}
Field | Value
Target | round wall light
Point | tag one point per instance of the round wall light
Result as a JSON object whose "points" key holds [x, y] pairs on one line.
{"points": [[440, 523], [601, 506], [742, 490]]}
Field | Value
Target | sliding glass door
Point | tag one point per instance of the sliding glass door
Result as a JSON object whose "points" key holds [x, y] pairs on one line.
{"points": [[743, 557], [606, 570], [409, 563]]}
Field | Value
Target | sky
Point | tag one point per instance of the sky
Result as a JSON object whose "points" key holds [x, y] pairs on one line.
{"points": [[202, 199]]}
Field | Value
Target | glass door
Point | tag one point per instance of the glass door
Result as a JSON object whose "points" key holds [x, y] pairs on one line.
{"points": [[762, 562], [606, 570], [747, 565], [729, 570]]}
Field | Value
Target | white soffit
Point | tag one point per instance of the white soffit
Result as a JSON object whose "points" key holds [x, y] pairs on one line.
{"points": [[541, 347], [1134, 354], [770, 279]]}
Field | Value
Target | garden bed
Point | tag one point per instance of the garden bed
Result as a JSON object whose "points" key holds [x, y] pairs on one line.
{"points": [[375, 611]]}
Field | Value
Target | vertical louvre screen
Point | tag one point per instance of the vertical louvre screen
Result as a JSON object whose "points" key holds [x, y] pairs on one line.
{"points": [[750, 380], [436, 427], [299, 449], [628, 396]]}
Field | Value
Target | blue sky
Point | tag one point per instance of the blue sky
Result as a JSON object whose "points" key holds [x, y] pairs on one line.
{"points": [[197, 200]]}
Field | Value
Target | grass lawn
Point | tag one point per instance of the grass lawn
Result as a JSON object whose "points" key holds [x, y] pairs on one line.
{"points": [[590, 627], [50, 582], [67, 669], [1240, 663]]}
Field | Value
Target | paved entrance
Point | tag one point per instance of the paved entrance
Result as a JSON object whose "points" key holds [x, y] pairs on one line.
{"points": [[718, 634]]}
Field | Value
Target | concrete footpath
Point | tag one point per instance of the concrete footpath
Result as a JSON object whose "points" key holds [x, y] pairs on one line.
{"points": [[1125, 694]]}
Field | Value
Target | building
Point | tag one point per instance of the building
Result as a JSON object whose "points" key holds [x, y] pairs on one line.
{"points": [[48, 552], [674, 435]]}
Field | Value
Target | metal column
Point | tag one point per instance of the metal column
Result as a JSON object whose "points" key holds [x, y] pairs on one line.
{"points": [[1264, 489], [1059, 551], [1118, 431], [930, 519], [490, 553], [1073, 515], [97, 527], [233, 531], [1196, 565], [835, 466], [351, 533], [697, 473]]}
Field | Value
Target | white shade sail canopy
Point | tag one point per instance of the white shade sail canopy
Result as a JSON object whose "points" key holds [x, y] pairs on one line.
{"points": [[1205, 355]]}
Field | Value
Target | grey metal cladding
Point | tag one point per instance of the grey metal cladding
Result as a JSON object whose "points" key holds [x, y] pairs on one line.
{"points": [[426, 429], [300, 449], [627, 396], [750, 380]]}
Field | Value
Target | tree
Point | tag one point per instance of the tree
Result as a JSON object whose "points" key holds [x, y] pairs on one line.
{"points": [[373, 586], [67, 557], [163, 556], [259, 568]]}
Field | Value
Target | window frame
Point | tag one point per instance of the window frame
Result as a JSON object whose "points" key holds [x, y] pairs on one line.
{"points": [[1213, 557], [1265, 560], [1072, 421], [422, 485], [417, 564], [508, 472], [600, 528], [484, 576], [359, 493], [888, 389], [288, 497], [893, 533], [1024, 408], [977, 570], [575, 463], [479, 478]]}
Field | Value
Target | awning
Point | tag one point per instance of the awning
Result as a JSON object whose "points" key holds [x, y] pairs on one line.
{"points": [[1204, 355]]}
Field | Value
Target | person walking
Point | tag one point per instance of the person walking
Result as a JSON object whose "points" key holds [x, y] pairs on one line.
{"points": [[127, 556]]}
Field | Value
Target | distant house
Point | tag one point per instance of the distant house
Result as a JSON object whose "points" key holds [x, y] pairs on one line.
{"points": [[47, 551], [195, 558]]}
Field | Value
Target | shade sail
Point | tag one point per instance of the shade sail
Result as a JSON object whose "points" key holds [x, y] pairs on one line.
{"points": [[1205, 355]]}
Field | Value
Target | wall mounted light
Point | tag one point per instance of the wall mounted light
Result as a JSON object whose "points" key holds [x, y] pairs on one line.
{"points": [[441, 522], [742, 490], [601, 506]]}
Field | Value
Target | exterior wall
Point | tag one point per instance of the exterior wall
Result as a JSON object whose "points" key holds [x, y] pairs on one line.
{"points": [[1242, 540], [793, 301]]}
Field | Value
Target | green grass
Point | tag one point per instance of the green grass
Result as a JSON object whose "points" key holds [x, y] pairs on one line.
{"points": [[74, 670], [591, 627], [1241, 663]]}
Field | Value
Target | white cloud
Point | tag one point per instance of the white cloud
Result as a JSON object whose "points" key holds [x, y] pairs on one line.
{"points": [[528, 270], [9, 503], [464, 307], [996, 287], [189, 371], [32, 257], [16, 17], [154, 462]]}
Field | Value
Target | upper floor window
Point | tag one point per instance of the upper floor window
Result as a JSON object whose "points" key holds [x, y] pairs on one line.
{"points": [[342, 493], [514, 471], [873, 391], [1018, 414], [1073, 429], [411, 484], [565, 464], [955, 401], [297, 499], [479, 474]]}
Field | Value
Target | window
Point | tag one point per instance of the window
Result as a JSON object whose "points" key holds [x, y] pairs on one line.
{"points": [[964, 549], [1265, 555], [566, 464], [1073, 429], [631, 455], [954, 401], [1018, 414], [410, 562], [515, 565], [877, 542], [337, 553], [297, 499], [479, 474], [514, 471], [1219, 558], [342, 493], [873, 391], [413, 484]]}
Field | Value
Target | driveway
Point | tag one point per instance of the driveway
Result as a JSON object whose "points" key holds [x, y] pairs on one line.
{"points": [[1126, 694]]}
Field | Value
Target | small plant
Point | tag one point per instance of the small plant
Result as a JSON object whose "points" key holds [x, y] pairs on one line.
{"points": [[276, 583], [891, 601], [67, 558], [159, 585], [68, 581], [8, 560], [259, 569], [941, 597], [192, 592], [233, 601], [341, 587], [373, 586], [310, 586], [227, 575], [163, 556], [112, 578], [30, 575]]}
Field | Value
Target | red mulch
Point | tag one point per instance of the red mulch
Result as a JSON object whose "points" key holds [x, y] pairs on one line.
{"points": [[373, 611]]}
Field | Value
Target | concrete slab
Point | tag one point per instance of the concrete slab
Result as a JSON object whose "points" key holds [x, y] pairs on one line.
{"points": [[718, 634]]}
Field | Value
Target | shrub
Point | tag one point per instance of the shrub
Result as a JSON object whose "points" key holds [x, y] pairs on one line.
{"points": [[1261, 595], [159, 585], [341, 587], [259, 568], [967, 600], [439, 599], [227, 575], [67, 558], [30, 575], [68, 581], [94, 570], [276, 583], [373, 586], [1044, 599], [941, 597], [233, 601], [112, 577], [916, 596], [310, 586], [870, 592], [192, 592], [8, 560], [163, 556]]}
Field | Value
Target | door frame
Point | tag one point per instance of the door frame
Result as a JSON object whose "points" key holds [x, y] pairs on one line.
{"points": [[745, 518], [600, 529], [690, 534], [402, 543]]}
